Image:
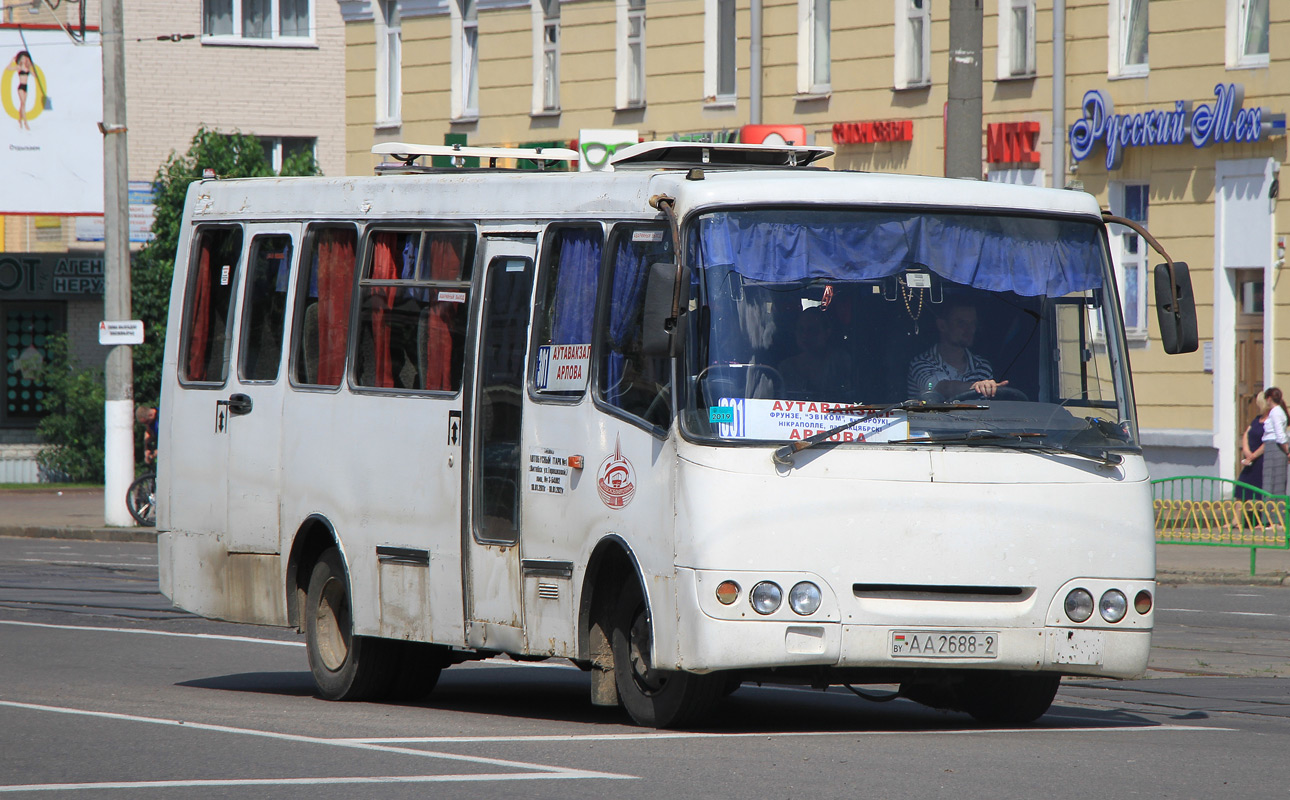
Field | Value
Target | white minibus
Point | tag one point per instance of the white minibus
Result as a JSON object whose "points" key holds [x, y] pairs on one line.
{"points": [[717, 415]]}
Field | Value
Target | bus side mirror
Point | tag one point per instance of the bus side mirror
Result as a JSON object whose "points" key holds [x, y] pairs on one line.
{"points": [[656, 334], [1176, 309]]}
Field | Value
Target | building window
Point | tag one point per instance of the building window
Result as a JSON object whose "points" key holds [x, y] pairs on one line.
{"points": [[1127, 39], [282, 22], [546, 56], [813, 76], [465, 60], [1016, 39], [298, 151], [719, 52], [1247, 33], [630, 90], [389, 64], [913, 43], [1129, 251]]}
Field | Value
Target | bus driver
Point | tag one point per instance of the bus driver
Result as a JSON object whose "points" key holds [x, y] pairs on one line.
{"points": [[949, 368]]}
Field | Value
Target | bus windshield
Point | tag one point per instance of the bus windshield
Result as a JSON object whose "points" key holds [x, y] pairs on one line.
{"points": [[940, 328]]}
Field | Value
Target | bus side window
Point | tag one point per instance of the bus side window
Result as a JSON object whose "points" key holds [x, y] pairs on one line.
{"points": [[627, 379], [412, 310], [265, 308], [322, 306], [210, 305], [566, 304]]}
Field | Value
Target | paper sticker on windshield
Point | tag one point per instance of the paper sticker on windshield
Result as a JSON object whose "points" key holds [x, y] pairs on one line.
{"points": [[792, 420], [720, 414], [562, 367], [918, 280], [647, 236]]}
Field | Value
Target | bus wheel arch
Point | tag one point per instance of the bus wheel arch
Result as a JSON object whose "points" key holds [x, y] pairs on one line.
{"points": [[611, 564], [314, 536]]}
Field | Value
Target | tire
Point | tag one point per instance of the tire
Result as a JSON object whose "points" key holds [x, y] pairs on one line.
{"points": [[344, 666], [654, 698], [141, 499], [1008, 699]]}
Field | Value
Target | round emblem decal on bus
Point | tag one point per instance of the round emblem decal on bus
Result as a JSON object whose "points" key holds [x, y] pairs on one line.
{"points": [[616, 480]]}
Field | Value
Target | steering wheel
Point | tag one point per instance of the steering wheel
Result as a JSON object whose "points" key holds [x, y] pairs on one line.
{"points": [[749, 383], [1001, 393]]}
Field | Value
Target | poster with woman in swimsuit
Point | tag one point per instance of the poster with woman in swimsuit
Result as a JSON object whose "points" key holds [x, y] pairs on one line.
{"points": [[24, 67]]}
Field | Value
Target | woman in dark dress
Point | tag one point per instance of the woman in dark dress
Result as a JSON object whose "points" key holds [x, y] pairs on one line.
{"points": [[1252, 458]]}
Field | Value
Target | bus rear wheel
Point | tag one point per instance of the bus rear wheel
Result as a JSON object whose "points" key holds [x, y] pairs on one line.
{"points": [[344, 666], [1008, 699], [652, 697]]}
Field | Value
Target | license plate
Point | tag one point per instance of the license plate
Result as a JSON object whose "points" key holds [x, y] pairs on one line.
{"points": [[945, 644]]}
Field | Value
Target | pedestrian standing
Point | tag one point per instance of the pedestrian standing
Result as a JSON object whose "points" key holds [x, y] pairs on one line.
{"points": [[1274, 432]]}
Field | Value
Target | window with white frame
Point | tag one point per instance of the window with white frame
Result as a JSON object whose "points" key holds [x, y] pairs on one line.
{"points": [[264, 22], [719, 84], [913, 43], [1247, 33], [630, 88], [1128, 32], [389, 64], [546, 55], [464, 99], [1129, 252], [301, 151], [813, 58], [1016, 39]]}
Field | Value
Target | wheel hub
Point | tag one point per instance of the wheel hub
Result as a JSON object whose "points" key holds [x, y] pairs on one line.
{"points": [[332, 617], [643, 673]]}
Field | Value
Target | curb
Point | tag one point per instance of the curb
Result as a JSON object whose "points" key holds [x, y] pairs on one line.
{"points": [[82, 534], [1221, 579]]}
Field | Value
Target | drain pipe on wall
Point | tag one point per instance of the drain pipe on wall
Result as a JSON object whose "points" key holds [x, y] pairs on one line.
{"points": [[754, 64], [1059, 94]]}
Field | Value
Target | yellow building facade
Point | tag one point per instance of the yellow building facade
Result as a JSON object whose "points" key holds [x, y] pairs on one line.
{"points": [[1191, 94]]}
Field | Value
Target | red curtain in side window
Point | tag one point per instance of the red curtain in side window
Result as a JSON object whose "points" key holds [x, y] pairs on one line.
{"points": [[382, 297], [335, 285], [445, 265], [199, 338]]}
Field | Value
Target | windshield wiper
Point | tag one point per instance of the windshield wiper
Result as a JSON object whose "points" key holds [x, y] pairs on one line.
{"points": [[784, 455], [1016, 441]]}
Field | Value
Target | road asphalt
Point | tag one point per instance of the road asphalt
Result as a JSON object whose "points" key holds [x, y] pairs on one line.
{"points": [[46, 513]]}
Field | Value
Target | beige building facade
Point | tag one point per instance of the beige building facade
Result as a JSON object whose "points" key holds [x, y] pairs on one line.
{"points": [[1191, 95], [270, 68]]}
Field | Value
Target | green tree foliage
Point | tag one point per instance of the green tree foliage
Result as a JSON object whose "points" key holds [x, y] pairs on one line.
{"points": [[230, 155], [73, 428]]}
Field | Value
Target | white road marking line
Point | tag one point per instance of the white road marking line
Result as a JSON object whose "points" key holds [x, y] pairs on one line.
{"points": [[149, 632], [613, 737], [384, 779], [542, 770], [1233, 613], [79, 563]]}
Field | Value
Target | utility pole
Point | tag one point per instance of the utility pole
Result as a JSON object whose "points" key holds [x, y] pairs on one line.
{"points": [[118, 439], [754, 64], [1059, 94], [963, 128]]}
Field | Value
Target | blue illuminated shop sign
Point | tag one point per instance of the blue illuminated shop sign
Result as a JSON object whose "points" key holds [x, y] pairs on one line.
{"points": [[1219, 122]]}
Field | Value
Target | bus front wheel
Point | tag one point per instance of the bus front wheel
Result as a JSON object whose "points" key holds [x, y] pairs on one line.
{"points": [[652, 697], [344, 666]]}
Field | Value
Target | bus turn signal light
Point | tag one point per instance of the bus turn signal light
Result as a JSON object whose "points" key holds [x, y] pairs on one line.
{"points": [[727, 592], [575, 462], [1142, 603]]}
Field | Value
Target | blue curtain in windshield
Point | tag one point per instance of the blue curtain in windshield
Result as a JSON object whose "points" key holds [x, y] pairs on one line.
{"points": [[578, 268], [1026, 256]]}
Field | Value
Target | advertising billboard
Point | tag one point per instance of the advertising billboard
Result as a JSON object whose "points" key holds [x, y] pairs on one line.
{"points": [[51, 151]]}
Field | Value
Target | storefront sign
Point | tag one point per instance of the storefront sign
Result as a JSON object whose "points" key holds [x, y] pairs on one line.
{"points": [[1221, 122], [1012, 142], [773, 134], [50, 276], [707, 137], [871, 132]]}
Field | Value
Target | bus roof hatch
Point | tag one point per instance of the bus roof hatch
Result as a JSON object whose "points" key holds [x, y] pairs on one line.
{"points": [[685, 155]]}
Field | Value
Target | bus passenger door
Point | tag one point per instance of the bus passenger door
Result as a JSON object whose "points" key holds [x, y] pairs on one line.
{"points": [[253, 405], [491, 540]]}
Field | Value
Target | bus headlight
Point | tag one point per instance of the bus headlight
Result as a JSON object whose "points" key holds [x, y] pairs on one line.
{"points": [[766, 597], [1079, 605], [804, 598], [1113, 605]]}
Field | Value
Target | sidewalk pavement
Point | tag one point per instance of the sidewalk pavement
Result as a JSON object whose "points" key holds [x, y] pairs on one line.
{"points": [[78, 514]]}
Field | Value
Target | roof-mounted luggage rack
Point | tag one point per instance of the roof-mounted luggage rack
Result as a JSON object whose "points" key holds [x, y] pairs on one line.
{"points": [[691, 155], [407, 153]]}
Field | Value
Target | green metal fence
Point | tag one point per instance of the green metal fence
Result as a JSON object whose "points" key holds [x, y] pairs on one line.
{"points": [[1196, 509]]}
